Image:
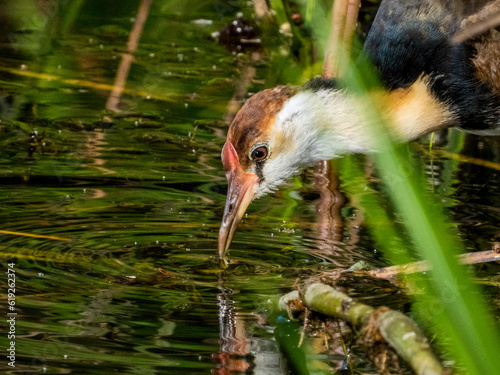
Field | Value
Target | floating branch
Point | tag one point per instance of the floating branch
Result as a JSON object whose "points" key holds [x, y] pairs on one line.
{"points": [[377, 326], [468, 258]]}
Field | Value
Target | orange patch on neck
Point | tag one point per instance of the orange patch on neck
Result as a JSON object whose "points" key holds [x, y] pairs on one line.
{"points": [[414, 111]]}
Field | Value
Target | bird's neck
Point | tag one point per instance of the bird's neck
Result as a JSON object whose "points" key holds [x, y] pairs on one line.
{"points": [[332, 122]]}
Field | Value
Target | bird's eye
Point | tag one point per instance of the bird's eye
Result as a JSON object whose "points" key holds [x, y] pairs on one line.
{"points": [[259, 153]]}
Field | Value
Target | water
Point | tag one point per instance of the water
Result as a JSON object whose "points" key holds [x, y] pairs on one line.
{"points": [[110, 208]]}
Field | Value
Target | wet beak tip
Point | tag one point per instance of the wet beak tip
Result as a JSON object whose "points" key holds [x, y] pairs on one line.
{"points": [[223, 241]]}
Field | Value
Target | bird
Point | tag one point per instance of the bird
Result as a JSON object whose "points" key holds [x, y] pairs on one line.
{"points": [[429, 81]]}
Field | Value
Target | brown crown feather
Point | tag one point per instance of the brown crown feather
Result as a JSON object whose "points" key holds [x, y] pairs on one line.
{"points": [[252, 124]]}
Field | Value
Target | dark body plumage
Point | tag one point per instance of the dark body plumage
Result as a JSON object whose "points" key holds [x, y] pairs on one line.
{"points": [[411, 38]]}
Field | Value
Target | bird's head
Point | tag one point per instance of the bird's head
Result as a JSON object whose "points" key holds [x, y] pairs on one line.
{"points": [[262, 151], [254, 156]]}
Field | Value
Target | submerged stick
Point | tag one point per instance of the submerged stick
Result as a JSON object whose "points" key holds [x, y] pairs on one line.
{"points": [[84, 83], [377, 325], [34, 235]]}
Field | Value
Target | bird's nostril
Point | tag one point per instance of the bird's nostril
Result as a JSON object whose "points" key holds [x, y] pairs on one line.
{"points": [[230, 208]]}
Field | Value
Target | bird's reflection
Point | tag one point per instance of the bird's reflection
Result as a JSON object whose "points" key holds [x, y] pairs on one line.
{"points": [[234, 343]]}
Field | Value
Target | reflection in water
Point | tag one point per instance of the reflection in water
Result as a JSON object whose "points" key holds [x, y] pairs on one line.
{"points": [[128, 57], [234, 343], [328, 211], [95, 145], [240, 349]]}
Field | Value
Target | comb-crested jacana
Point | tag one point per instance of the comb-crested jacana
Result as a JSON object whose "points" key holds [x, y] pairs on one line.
{"points": [[429, 82]]}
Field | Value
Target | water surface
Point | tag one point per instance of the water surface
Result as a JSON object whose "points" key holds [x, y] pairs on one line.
{"points": [[110, 205]]}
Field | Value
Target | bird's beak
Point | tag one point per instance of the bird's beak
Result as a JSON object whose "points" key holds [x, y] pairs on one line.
{"points": [[240, 193]]}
